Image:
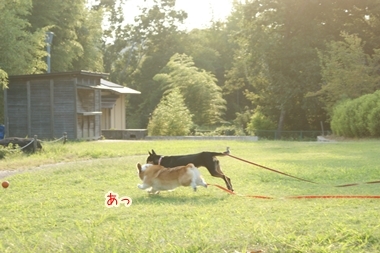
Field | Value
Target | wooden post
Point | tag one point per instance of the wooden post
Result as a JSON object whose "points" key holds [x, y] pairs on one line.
{"points": [[323, 132], [64, 137], [35, 143]]}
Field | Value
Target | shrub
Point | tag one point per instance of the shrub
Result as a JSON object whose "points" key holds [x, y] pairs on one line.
{"points": [[228, 130], [259, 122], [9, 150], [357, 118], [171, 117]]}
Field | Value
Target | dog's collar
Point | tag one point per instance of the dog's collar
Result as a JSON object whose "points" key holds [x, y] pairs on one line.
{"points": [[159, 160]]}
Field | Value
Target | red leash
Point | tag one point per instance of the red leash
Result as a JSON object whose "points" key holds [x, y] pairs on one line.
{"points": [[335, 197], [277, 171], [355, 184], [302, 197], [285, 174], [233, 193]]}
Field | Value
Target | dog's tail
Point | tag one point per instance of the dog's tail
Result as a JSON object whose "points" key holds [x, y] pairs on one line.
{"points": [[217, 153], [227, 152]]}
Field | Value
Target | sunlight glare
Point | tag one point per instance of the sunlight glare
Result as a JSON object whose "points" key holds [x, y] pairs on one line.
{"points": [[200, 12]]}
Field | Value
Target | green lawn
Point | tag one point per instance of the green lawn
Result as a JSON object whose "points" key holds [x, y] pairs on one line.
{"points": [[61, 208]]}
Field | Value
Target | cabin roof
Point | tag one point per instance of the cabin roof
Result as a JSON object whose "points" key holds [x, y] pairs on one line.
{"points": [[58, 74], [107, 85], [104, 84]]}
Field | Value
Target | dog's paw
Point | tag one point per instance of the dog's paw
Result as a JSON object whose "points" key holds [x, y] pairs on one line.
{"points": [[153, 192]]}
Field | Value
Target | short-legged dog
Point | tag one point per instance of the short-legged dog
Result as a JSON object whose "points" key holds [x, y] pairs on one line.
{"points": [[159, 178]]}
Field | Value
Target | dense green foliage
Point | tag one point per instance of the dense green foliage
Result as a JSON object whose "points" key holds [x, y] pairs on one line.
{"points": [[202, 96], [343, 73], [358, 118], [3, 79], [140, 50], [276, 62], [21, 51], [292, 59], [259, 122], [77, 33], [171, 117]]}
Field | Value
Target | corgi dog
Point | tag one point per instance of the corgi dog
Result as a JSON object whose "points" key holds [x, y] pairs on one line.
{"points": [[157, 178]]}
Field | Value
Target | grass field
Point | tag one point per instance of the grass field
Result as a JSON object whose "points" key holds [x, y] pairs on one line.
{"points": [[58, 203]]}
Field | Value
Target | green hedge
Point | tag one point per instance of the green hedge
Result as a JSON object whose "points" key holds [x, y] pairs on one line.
{"points": [[358, 117]]}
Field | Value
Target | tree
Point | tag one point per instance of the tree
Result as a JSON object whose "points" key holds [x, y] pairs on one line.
{"points": [[259, 122], [90, 38], [21, 51], [114, 41], [276, 62], [212, 50], [3, 79], [171, 116], [77, 33], [141, 50], [3, 85], [198, 87], [347, 71]]}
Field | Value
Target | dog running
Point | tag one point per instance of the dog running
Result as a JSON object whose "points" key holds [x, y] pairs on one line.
{"points": [[158, 178], [205, 159]]}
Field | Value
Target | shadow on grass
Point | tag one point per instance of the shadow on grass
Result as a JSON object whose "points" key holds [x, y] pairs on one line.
{"points": [[170, 199]]}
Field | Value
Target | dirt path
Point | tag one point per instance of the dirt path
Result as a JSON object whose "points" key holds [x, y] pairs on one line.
{"points": [[7, 173]]}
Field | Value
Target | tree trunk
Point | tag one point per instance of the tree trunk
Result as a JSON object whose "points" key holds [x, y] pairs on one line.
{"points": [[280, 123]]}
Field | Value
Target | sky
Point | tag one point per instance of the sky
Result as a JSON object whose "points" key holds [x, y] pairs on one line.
{"points": [[200, 12]]}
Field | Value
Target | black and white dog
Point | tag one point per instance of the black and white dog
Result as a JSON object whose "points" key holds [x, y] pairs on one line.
{"points": [[205, 159]]}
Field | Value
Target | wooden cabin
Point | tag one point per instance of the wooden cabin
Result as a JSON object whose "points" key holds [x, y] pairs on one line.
{"points": [[79, 103]]}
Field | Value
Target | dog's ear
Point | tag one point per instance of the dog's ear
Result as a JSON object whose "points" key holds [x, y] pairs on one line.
{"points": [[154, 153], [149, 152]]}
